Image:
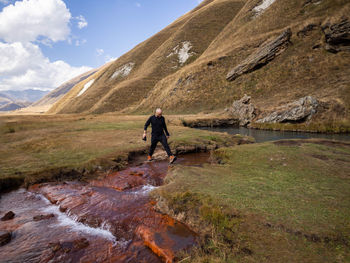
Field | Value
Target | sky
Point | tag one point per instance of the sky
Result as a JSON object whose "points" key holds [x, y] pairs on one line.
{"points": [[44, 43]]}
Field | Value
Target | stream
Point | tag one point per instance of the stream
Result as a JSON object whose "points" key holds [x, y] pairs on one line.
{"points": [[269, 135], [110, 219]]}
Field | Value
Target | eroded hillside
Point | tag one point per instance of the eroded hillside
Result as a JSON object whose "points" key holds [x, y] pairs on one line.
{"points": [[185, 67]]}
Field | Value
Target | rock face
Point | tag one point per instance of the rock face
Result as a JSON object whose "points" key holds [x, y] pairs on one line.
{"points": [[5, 237], [243, 110], [297, 111], [337, 36], [8, 216], [262, 56]]}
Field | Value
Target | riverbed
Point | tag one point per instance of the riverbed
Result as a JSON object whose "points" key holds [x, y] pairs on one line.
{"points": [[110, 219]]}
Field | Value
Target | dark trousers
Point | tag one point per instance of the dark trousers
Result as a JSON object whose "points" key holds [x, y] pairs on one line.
{"points": [[163, 140]]}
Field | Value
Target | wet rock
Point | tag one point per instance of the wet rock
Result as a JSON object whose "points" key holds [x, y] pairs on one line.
{"points": [[243, 110], [80, 243], [160, 156], [8, 216], [43, 217], [167, 239], [5, 237], [266, 53], [295, 112], [69, 246], [337, 36]]}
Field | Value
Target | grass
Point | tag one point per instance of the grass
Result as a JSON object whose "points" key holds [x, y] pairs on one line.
{"points": [[325, 127], [41, 148], [266, 203]]}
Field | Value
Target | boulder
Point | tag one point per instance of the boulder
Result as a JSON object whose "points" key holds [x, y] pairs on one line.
{"points": [[8, 216], [267, 52], [243, 110], [297, 111], [43, 217], [337, 36], [5, 237]]}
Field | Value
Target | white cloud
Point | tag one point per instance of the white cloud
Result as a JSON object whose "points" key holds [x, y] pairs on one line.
{"points": [[138, 4], [23, 66], [80, 42], [81, 22], [99, 51], [23, 25], [28, 20]]}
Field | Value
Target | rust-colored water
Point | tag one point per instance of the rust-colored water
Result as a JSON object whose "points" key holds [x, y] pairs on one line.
{"points": [[111, 219]]}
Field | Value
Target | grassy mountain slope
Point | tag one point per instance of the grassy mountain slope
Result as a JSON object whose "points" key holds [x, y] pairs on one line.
{"points": [[217, 36]]}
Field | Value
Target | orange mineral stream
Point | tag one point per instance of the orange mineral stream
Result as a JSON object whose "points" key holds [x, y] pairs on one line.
{"points": [[110, 219]]}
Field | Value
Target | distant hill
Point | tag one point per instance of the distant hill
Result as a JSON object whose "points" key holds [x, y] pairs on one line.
{"points": [[45, 103], [16, 99], [29, 95], [14, 106], [59, 92], [276, 51]]}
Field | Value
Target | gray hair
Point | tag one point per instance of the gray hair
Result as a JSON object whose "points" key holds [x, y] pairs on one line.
{"points": [[158, 110]]}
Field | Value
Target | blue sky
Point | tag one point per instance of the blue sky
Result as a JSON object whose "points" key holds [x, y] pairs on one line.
{"points": [[41, 50], [115, 26]]}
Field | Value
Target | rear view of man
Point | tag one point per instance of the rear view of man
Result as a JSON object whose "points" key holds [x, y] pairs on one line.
{"points": [[158, 128]]}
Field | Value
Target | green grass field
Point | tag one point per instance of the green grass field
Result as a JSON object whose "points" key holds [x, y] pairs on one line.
{"points": [[269, 202]]}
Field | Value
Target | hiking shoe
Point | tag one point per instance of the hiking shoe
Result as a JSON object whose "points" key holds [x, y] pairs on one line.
{"points": [[149, 158], [172, 159]]}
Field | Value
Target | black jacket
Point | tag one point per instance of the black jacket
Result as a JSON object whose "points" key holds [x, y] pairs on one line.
{"points": [[158, 125]]}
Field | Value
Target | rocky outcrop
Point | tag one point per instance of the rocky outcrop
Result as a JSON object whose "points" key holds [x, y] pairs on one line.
{"points": [[337, 36], [297, 111], [243, 110], [5, 237], [262, 56], [210, 122], [8, 216]]}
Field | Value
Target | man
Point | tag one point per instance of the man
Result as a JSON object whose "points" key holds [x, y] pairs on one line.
{"points": [[158, 128]]}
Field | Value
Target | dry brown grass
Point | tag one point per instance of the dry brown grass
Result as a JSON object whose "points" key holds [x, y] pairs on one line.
{"points": [[225, 32], [52, 147]]}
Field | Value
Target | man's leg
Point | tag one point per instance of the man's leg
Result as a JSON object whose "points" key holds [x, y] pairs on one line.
{"points": [[154, 141], [165, 144]]}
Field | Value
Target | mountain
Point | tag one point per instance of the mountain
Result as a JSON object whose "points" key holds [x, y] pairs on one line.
{"points": [[16, 99], [275, 51], [14, 106], [58, 93], [4, 99], [29, 95]]}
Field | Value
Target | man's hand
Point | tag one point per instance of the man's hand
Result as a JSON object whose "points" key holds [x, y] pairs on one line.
{"points": [[167, 137], [144, 134]]}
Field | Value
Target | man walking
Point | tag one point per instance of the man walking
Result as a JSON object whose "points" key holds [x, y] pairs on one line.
{"points": [[158, 128]]}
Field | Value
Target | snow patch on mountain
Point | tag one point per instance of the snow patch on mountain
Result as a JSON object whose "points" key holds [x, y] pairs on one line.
{"points": [[182, 51], [86, 86], [123, 71], [259, 9]]}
